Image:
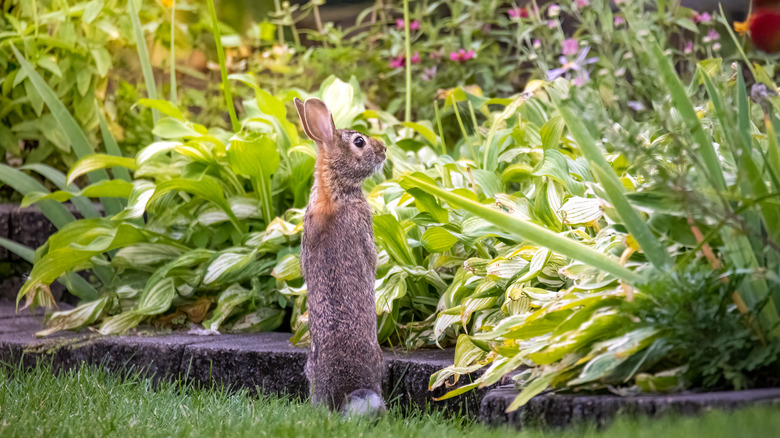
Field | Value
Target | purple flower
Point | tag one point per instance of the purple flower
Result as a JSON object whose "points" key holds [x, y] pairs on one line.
{"points": [[619, 21], [577, 65], [582, 3], [553, 11], [635, 105], [551, 24], [570, 47], [462, 55], [701, 18], [428, 73], [537, 43], [688, 49], [399, 24]]}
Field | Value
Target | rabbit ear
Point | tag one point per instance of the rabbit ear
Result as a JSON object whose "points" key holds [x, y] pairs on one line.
{"points": [[302, 115], [318, 121]]}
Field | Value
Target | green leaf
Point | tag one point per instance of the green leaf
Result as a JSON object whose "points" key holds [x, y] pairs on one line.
{"points": [[99, 161], [424, 131], [164, 107], [25, 184], [392, 237], [206, 187], [256, 157], [438, 239], [102, 189], [78, 317], [536, 386]]}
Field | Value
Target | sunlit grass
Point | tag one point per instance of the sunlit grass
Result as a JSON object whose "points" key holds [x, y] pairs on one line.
{"points": [[91, 402]]}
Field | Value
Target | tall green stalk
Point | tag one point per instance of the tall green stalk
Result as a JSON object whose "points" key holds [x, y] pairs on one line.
{"points": [[174, 94], [223, 68], [408, 50]]}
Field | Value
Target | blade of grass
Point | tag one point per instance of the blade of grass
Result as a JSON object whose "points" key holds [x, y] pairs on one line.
{"points": [[223, 68], [143, 56], [527, 230]]}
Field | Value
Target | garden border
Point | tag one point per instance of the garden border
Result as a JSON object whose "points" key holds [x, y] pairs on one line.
{"points": [[267, 361]]}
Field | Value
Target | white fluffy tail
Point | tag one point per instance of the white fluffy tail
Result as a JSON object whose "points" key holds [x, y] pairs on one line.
{"points": [[363, 402]]}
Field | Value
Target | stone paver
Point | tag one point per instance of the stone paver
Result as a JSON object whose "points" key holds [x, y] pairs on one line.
{"points": [[553, 410]]}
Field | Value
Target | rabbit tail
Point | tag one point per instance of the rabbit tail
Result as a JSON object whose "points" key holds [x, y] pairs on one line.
{"points": [[363, 402]]}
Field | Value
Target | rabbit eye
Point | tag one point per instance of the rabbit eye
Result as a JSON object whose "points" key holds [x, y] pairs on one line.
{"points": [[359, 141]]}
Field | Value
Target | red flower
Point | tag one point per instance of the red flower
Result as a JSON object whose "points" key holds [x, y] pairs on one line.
{"points": [[764, 26]]}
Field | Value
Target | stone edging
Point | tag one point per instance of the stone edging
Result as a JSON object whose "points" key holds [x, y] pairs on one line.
{"points": [[264, 360]]}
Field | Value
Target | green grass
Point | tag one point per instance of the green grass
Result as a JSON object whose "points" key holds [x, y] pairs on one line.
{"points": [[92, 402]]}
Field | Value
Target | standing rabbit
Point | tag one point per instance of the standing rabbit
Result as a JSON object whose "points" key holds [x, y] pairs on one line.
{"points": [[338, 259]]}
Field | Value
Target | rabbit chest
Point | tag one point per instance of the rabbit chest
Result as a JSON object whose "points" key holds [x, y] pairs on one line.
{"points": [[338, 259]]}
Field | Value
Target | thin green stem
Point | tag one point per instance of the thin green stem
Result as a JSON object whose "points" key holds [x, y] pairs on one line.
{"points": [[441, 130], [408, 50], [174, 94], [223, 68]]}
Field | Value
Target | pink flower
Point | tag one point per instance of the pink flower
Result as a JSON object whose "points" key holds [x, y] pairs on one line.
{"points": [[712, 35], [551, 24], [582, 3], [619, 21], [704, 17], [553, 11], [518, 13], [400, 60], [462, 55], [570, 47], [399, 24], [579, 81], [537, 43], [688, 49]]}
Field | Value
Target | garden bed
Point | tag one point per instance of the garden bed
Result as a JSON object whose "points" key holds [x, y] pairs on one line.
{"points": [[267, 361]]}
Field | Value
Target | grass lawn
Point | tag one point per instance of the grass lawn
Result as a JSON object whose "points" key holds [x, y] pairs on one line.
{"points": [[90, 402]]}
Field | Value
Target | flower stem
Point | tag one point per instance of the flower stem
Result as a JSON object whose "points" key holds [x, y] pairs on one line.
{"points": [[173, 53], [223, 68], [408, 50]]}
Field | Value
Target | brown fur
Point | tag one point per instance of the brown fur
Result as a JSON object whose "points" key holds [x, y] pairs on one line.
{"points": [[338, 259]]}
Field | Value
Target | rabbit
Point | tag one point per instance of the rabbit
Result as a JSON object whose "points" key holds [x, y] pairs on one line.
{"points": [[338, 261]]}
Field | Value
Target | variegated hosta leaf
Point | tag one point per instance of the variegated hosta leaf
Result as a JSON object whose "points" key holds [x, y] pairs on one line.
{"points": [[261, 320], [477, 266], [445, 320], [607, 355], [139, 197], [157, 297], [155, 148], [388, 289], [227, 262], [538, 262], [289, 268], [242, 207], [142, 254], [293, 291], [577, 210], [121, 323], [516, 301], [502, 268], [229, 299], [438, 239], [78, 317]]}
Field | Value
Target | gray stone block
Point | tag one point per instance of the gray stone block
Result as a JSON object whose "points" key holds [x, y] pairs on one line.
{"points": [[266, 361], [63, 351], [559, 410], [159, 357], [409, 375]]}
